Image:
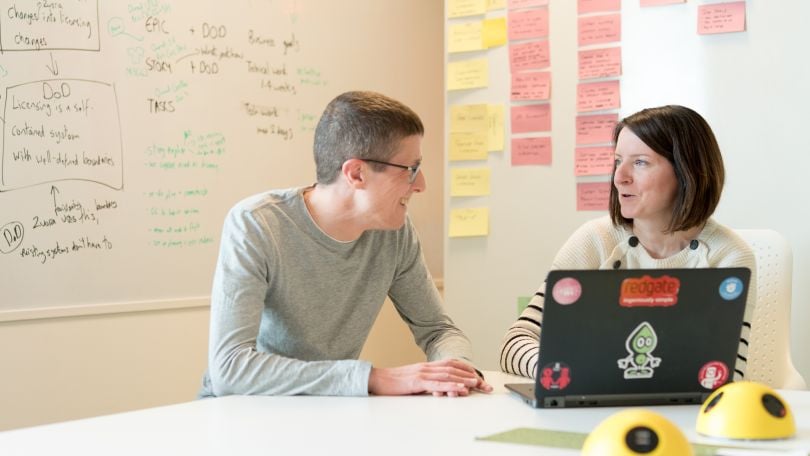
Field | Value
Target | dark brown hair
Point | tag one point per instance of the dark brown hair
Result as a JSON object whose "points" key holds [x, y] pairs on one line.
{"points": [[683, 137], [361, 125]]}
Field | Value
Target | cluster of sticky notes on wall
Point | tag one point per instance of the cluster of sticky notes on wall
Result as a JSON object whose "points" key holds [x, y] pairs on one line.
{"points": [[478, 129]]}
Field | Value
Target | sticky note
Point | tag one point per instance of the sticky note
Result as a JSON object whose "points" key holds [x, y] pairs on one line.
{"points": [[597, 96], [469, 181], [600, 63], [599, 29], [526, 24], [593, 196], [528, 118], [467, 74], [593, 161], [721, 18], [523, 303], [596, 129], [461, 8], [494, 32], [598, 6], [465, 37], [495, 4], [469, 118], [531, 151], [534, 85], [529, 56], [495, 132], [468, 146], [469, 222]]}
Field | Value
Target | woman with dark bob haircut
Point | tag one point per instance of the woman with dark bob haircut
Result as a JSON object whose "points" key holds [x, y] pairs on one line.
{"points": [[667, 179]]}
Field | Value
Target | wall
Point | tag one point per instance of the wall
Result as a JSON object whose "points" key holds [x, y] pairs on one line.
{"points": [[751, 88], [93, 349]]}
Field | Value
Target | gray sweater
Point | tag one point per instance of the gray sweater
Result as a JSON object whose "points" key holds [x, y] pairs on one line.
{"points": [[291, 307]]}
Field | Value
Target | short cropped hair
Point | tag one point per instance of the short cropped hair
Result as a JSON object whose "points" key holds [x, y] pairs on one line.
{"points": [[365, 125], [684, 138]]}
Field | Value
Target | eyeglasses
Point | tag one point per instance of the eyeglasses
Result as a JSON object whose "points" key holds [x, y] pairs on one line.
{"points": [[414, 170]]}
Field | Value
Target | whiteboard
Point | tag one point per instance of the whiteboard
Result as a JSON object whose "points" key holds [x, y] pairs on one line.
{"points": [[750, 86], [130, 128]]}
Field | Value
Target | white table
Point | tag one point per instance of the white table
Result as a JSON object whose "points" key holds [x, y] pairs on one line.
{"points": [[242, 425]]}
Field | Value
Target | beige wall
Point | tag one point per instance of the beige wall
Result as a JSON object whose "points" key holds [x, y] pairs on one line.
{"points": [[56, 369]]}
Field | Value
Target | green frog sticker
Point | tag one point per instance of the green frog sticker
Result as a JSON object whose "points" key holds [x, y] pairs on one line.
{"points": [[640, 362]]}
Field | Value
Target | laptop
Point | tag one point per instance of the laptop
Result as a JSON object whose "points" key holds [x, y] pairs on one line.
{"points": [[637, 337]]}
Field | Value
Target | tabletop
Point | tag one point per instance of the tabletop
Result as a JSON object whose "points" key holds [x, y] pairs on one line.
{"points": [[247, 425]]}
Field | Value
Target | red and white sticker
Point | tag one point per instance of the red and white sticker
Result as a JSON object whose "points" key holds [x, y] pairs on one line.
{"points": [[567, 291], [555, 376], [713, 374]]}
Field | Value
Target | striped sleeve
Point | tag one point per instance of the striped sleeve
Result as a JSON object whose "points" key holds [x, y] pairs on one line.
{"points": [[521, 344]]}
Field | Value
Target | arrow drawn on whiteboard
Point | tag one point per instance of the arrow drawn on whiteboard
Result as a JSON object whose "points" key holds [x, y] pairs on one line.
{"points": [[53, 67], [54, 191]]}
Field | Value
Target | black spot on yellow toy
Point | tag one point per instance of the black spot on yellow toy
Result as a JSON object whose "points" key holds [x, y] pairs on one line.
{"points": [[636, 432], [746, 411]]}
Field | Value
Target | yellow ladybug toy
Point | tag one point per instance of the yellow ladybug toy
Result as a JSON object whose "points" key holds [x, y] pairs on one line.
{"points": [[746, 411], [636, 431]]}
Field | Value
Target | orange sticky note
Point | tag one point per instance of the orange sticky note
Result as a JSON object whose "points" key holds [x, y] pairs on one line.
{"points": [[593, 161], [597, 96], [529, 56], [526, 24], [721, 18], [600, 29], [597, 6], [593, 196], [531, 151], [596, 129], [531, 86], [600, 63], [535, 117]]}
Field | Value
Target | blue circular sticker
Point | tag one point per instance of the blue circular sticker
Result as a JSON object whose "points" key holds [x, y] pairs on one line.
{"points": [[731, 288]]}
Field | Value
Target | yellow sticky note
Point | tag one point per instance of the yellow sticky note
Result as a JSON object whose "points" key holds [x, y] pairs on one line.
{"points": [[494, 32], [460, 8], [467, 74], [469, 182], [468, 146], [495, 127], [469, 222], [495, 4], [465, 37], [469, 118]]}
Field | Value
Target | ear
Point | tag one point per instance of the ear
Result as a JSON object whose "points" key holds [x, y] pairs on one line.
{"points": [[354, 171]]}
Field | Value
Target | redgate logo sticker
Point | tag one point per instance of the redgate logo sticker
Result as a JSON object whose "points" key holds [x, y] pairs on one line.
{"points": [[649, 292]]}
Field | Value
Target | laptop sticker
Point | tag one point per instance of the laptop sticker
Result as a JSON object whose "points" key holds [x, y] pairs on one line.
{"points": [[713, 374], [555, 376], [567, 291], [640, 362], [649, 292], [731, 288]]}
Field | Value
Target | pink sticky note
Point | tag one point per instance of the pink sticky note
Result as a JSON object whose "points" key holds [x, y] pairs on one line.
{"points": [[597, 96], [600, 29], [596, 129], [531, 151], [531, 86], [600, 63], [534, 117], [593, 196], [593, 161], [597, 6], [527, 24], [529, 56], [660, 2], [721, 18], [515, 4]]}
